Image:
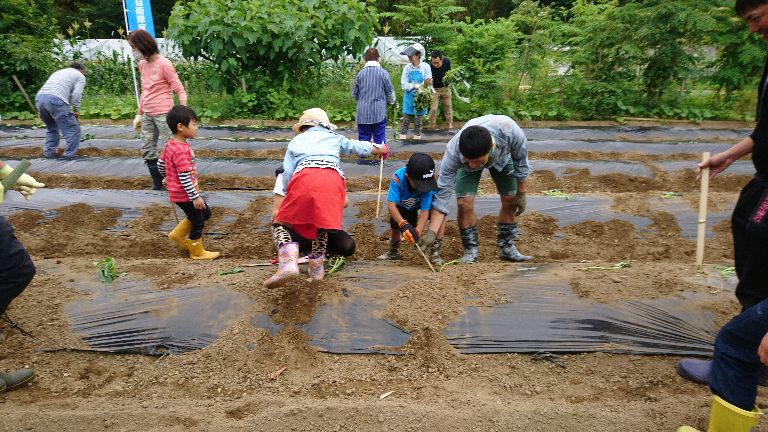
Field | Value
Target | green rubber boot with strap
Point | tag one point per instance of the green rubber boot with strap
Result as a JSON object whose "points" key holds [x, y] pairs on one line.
{"points": [[15, 379]]}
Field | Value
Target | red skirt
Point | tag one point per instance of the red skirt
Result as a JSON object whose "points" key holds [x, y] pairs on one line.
{"points": [[314, 199]]}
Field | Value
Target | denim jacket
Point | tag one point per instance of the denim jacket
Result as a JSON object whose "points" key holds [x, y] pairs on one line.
{"points": [[321, 145]]}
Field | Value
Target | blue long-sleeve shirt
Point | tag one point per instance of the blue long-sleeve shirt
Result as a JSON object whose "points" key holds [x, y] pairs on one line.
{"points": [[321, 146], [511, 143], [373, 91]]}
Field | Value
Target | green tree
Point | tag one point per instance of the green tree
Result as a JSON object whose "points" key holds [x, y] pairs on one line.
{"points": [[740, 54], [430, 20], [25, 48], [483, 49], [671, 34], [106, 16], [535, 45], [271, 43]]}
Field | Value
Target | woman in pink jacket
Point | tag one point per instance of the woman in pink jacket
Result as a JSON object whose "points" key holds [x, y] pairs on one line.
{"points": [[158, 81]]}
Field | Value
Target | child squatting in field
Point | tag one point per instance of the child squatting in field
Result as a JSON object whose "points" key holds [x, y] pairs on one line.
{"points": [[315, 192], [409, 201]]}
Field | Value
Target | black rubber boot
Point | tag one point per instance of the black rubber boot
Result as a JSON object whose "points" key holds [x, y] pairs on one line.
{"points": [[506, 239], [157, 179], [516, 231], [471, 243], [394, 252]]}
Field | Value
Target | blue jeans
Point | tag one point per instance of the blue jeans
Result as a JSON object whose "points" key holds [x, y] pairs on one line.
{"points": [[736, 365], [377, 131], [58, 116]]}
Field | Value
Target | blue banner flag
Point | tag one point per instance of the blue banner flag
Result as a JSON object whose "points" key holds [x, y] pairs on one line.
{"points": [[139, 15]]}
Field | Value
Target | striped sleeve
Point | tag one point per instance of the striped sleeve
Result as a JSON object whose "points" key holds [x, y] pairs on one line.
{"points": [[186, 182], [161, 166]]}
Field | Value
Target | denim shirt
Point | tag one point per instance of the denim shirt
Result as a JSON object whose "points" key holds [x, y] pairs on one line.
{"points": [[511, 143], [321, 145]]}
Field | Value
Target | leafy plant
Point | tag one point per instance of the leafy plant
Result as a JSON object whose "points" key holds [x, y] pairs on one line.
{"points": [[670, 195], [423, 100], [336, 263], [557, 193], [108, 270], [27, 30], [617, 266], [725, 271], [277, 40]]}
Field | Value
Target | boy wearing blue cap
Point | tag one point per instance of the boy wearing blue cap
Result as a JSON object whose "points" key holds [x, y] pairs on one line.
{"points": [[409, 200]]}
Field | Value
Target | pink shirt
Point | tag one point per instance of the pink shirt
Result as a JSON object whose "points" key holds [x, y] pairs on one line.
{"points": [[178, 158], [158, 79]]}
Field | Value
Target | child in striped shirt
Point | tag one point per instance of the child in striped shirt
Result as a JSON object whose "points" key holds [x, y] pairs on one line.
{"points": [[177, 165]]}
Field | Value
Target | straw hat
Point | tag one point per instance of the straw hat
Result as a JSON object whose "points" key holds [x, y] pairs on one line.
{"points": [[314, 117]]}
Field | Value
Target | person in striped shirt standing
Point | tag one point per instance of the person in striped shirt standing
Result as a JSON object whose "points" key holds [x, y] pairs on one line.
{"points": [[373, 90], [179, 170]]}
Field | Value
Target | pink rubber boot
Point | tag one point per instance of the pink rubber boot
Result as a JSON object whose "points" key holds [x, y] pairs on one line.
{"points": [[316, 268], [287, 265]]}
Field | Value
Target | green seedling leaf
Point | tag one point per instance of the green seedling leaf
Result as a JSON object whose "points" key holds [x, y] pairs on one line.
{"points": [[337, 263], [668, 195], [231, 271], [617, 266], [108, 270], [556, 193], [725, 271], [447, 264]]}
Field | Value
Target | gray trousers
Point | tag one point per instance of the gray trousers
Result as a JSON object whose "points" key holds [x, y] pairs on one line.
{"points": [[153, 129]]}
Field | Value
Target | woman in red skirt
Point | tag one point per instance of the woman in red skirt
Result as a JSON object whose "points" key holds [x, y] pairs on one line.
{"points": [[315, 192]]}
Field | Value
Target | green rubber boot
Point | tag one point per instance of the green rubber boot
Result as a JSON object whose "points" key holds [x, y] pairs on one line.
{"points": [[16, 378]]}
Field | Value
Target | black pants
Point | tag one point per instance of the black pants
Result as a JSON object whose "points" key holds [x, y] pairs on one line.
{"points": [[196, 217], [339, 243], [16, 267], [410, 216], [750, 244]]}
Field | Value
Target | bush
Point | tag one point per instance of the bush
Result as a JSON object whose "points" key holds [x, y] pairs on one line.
{"points": [[27, 32], [270, 42]]}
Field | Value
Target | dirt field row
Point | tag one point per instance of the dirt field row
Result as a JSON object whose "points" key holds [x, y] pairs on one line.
{"points": [[254, 379]]}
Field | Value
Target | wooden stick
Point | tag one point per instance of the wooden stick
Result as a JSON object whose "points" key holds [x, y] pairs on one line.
{"points": [[24, 92], [381, 176], [425, 258], [702, 227]]}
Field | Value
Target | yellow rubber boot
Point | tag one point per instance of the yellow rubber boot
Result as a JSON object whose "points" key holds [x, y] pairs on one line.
{"points": [[725, 417], [198, 252], [180, 233]]}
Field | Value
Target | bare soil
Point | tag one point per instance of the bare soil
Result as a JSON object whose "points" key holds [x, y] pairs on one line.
{"points": [[233, 384]]}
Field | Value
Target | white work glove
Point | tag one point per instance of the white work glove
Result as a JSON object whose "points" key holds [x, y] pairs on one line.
{"points": [[137, 122], [26, 184], [416, 86]]}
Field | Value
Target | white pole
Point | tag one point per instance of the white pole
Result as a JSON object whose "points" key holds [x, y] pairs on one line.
{"points": [[702, 228], [130, 57]]}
